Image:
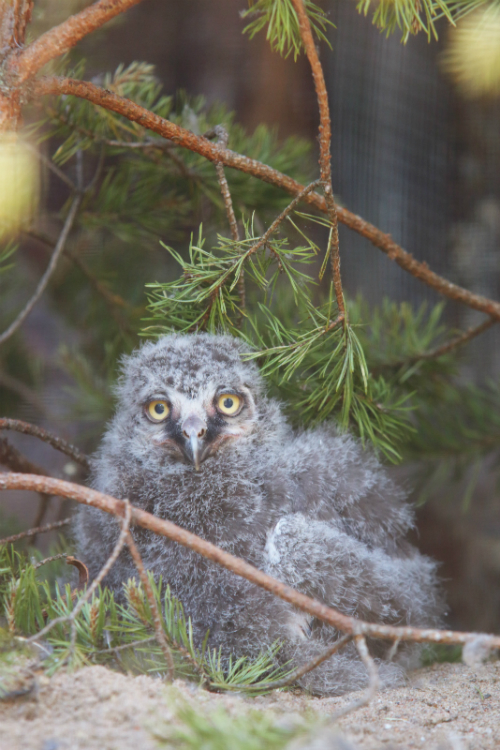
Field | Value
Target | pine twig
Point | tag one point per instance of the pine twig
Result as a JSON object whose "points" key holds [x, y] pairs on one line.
{"points": [[56, 442], [283, 215], [125, 519], [325, 137], [305, 668], [373, 680], [68, 224], [446, 348], [222, 139], [53, 167], [186, 139], [459, 340], [35, 531], [159, 632]]}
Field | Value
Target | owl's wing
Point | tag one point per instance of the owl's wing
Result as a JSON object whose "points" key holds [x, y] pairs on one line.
{"points": [[331, 477], [321, 560]]}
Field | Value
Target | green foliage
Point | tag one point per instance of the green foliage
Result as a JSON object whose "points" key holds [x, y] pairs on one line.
{"points": [[320, 367], [283, 32], [120, 635], [5, 254], [221, 730]]}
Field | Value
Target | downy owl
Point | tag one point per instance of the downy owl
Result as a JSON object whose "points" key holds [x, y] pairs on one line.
{"points": [[196, 440]]}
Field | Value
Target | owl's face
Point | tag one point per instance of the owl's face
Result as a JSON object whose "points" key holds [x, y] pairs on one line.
{"points": [[190, 396]]}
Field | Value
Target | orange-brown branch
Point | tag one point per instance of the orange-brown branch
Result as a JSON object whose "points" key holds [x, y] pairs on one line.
{"points": [[27, 62], [325, 137], [214, 153], [168, 529]]}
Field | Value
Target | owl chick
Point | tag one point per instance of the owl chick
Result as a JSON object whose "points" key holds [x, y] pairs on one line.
{"points": [[197, 441]]}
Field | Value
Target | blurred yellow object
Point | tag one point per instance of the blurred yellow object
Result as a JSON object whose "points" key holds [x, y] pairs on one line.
{"points": [[472, 54], [19, 184]]}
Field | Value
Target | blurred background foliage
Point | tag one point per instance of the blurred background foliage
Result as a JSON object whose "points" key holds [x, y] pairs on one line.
{"points": [[415, 150]]}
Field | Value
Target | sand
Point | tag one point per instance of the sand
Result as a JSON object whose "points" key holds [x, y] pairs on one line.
{"points": [[443, 707]]}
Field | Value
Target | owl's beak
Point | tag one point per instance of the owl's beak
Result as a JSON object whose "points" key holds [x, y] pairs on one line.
{"points": [[194, 429]]}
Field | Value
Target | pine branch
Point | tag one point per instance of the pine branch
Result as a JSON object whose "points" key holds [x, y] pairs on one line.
{"points": [[325, 137], [214, 153]]}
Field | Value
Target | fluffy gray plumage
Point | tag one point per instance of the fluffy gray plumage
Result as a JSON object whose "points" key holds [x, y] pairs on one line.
{"points": [[311, 508]]}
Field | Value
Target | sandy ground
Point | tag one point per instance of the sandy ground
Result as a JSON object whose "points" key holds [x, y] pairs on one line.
{"points": [[444, 707]]}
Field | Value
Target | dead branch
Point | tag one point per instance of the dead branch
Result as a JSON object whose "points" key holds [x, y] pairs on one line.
{"points": [[305, 668], [56, 442], [373, 680], [325, 137], [68, 224], [459, 340], [222, 139], [346, 624], [35, 531], [61, 38], [158, 627], [439, 351], [212, 152]]}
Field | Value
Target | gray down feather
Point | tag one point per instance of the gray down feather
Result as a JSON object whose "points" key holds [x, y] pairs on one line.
{"points": [[311, 508]]}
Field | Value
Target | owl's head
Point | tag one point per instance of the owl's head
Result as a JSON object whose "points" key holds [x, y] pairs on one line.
{"points": [[188, 395]]}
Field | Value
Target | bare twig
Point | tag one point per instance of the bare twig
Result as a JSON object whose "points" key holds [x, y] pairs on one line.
{"points": [[35, 531], [325, 137], [159, 632], [125, 519], [48, 273], [279, 219], [305, 668], [50, 559], [161, 526], [459, 340], [56, 442], [373, 680], [222, 140], [212, 152], [61, 38], [454, 343], [53, 167]]}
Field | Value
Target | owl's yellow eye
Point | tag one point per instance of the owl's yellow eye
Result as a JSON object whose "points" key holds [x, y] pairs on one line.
{"points": [[158, 410], [228, 403]]}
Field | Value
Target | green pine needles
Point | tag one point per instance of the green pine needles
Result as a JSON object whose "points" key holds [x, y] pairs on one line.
{"points": [[118, 635]]}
